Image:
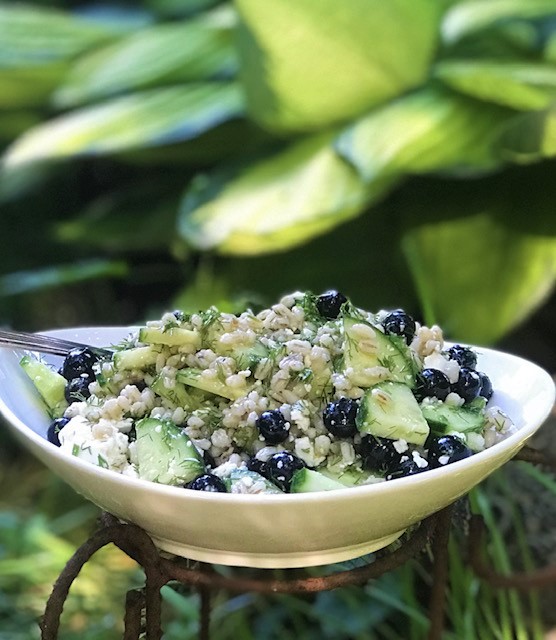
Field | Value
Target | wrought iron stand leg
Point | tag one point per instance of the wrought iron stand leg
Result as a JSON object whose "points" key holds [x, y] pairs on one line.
{"points": [[134, 603], [204, 629], [440, 574]]}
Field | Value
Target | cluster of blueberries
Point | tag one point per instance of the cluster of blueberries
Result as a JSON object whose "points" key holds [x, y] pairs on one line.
{"points": [[77, 369]]}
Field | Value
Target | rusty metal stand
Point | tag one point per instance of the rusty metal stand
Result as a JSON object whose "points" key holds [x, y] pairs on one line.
{"points": [[143, 607]]}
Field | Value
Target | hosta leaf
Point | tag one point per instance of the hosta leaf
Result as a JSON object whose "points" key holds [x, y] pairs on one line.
{"points": [[361, 258], [470, 16], [308, 63], [32, 36], [530, 137], [426, 131], [148, 119], [480, 275], [276, 203], [163, 54], [525, 86], [55, 276]]}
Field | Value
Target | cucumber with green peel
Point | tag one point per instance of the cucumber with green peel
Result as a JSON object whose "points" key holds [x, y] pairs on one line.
{"points": [[165, 454], [308, 480], [194, 378], [352, 477], [136, 358], [444, 419], [173, 336], [50, 384], [388, 352], [247, 481], [390, 410]]}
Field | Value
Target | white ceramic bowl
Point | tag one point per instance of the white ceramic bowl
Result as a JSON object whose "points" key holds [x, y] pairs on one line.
{"points": [[277, 530]]}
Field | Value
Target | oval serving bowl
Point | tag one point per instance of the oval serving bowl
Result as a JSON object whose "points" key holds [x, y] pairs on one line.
{"points": [[272, 531]]}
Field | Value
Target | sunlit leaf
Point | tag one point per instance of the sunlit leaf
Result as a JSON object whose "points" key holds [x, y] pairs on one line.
{"points": [[31, 35], [425, 131], [525, 86], [482, 263], [27, 281], [362, 258], [275, 203], [308, 63], [159, 55], [153, 118], [530, 137], [471, 16]]}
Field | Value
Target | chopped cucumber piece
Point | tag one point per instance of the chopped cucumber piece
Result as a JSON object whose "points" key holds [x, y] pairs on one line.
{"points": [[178, 394], [444, 418], [388, 352], [194, 378], [137, 358], [50, 384], [390, 410], [246, 481], [174, 336], [352, 477], [165, 453], [307, 480]]}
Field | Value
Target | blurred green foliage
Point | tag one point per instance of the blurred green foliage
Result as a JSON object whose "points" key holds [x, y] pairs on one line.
{"points": [[402, 152]]}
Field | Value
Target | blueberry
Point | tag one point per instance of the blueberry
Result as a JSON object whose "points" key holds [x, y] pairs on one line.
{"points": [[339, 417], [468, 385], [330, 303], [273, 426], [432, 383], [280, 468], [378, 454], [207, 482], [486, 386], [256, 465], [407, 467], [464, 356], [77, 362], [399, 323], [55, 427], [446, 449], [78, 388]]}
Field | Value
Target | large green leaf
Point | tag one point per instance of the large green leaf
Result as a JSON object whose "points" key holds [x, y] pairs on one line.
{"points": [[56, 276], [179, 8], [429, 130], [519, 85], [482, 273], [470, 16], [276, 203], [309, 63], [162, 54], [530, 137], [32, 36], [147, 119]]}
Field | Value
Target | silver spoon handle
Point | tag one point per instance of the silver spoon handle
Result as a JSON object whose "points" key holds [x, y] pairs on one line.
{"points": [[45, 344]]}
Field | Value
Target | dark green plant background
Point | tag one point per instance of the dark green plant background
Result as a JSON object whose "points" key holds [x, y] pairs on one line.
{"points": [[167, 153]]}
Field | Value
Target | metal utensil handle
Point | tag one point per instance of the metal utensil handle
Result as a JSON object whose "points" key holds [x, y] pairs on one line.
{"points": [[45, 344]]}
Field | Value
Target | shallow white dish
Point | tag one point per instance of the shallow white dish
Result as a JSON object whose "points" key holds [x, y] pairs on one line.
{"points": [[276, 530]]}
